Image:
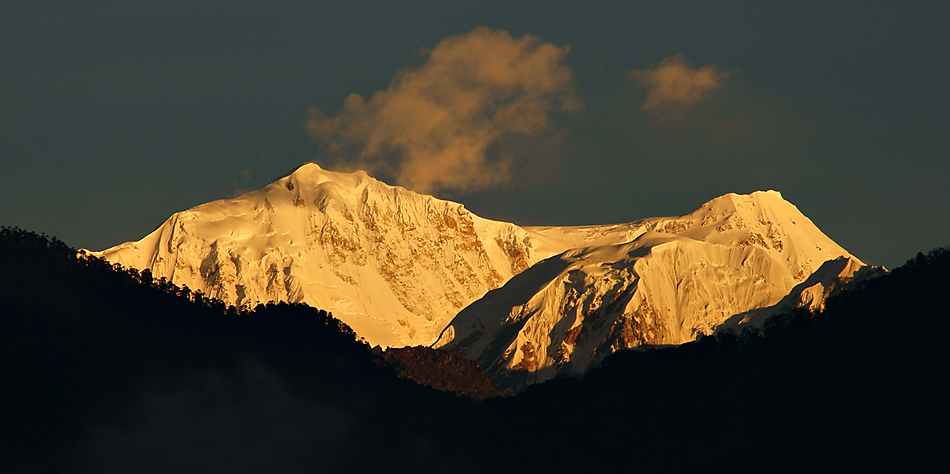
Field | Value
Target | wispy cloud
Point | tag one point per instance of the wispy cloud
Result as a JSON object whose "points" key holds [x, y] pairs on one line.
{"points": [[673, 86], [432, 128]]}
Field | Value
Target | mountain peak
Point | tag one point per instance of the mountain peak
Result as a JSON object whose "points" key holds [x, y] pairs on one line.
{"points": [[313, 174], [655, 281], [393, 264], [398, 266], [739, 201]]}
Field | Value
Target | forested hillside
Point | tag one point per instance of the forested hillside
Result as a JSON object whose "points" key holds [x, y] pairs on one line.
{"points": [[862, 384], [109, 370]]}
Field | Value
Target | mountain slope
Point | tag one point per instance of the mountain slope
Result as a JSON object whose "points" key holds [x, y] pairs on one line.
{"points": [[397, 266], [393, 264], [675, 279], [833, 277]]}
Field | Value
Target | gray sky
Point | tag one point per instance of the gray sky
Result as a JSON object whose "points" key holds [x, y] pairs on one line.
{"points": [[116, 115]]}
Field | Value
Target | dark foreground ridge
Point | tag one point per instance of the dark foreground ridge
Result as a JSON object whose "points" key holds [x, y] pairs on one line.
{"points": [[861, 385], [107, 370]]}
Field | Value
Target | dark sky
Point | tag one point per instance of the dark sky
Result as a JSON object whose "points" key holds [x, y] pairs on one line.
{"points": [[116, 114]]}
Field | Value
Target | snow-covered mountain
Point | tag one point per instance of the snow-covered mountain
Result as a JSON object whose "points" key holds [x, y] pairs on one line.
{"points": [[830, 279], [393, 264], [399, 267], [651, 282]]}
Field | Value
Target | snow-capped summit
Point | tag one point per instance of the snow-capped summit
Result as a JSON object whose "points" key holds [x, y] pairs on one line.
{"points": [[393, 264], [403, 268], [651, 282]]}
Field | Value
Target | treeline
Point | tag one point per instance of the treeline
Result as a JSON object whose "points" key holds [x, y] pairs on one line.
{"points": [[444, 370], [110, 370], [861, 385], [101, 366]]}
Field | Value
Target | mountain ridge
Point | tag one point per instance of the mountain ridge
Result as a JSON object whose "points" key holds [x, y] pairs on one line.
{"points": [[341, 241], [402, 268], [677, 278]]}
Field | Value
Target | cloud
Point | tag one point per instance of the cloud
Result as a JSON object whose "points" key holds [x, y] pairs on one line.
{"points": [[433, 127], [673, 86]]}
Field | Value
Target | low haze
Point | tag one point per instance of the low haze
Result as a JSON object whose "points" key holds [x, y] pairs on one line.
{"points": [[113, 117]]}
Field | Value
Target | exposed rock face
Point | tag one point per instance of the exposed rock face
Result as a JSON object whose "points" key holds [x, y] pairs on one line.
{"points": [[675, 278], [394, 265], [397, 267]]}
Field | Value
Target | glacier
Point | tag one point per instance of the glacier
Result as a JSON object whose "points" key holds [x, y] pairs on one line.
{"points": [[665, 282], [529, 303], [393, 264]]}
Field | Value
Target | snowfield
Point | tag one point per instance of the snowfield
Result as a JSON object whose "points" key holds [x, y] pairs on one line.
{"points": [[660, 281], [402, 268]]}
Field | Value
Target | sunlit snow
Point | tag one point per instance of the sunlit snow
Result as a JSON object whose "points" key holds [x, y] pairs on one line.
{"points": [[398, 266]]}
